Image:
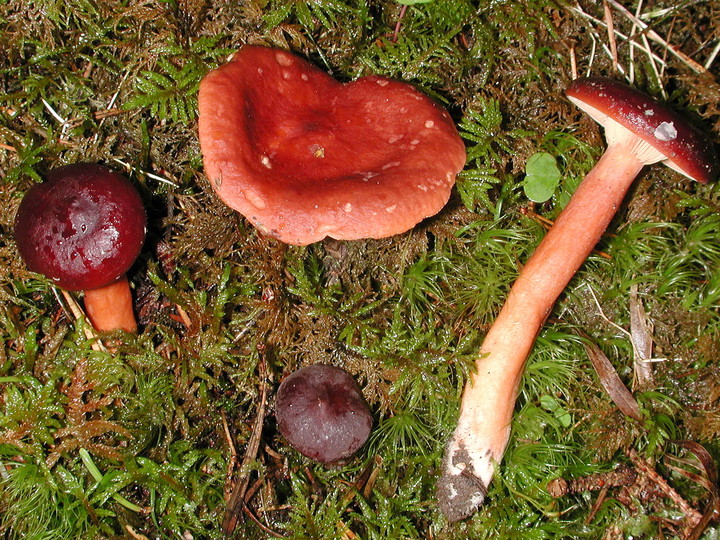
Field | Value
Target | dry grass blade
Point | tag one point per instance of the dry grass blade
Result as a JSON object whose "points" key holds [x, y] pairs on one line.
{"points": [[642, 340], [78, 313], [709, 482], [612, 382], [645, 48], [611, 34], [692, 64]]}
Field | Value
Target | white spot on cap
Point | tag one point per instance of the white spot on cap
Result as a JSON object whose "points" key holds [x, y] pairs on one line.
{"points": [[429, 123], [266, 161], [260, 71], [395, 138], [390, 165], [422, 187], [415, 141], [286, 74], [304, 76], [316, 150], [665, 132], [391, 209], [256, 199], [649, 112], [348, 208], [284, 59], [368, 175], [382, 82]]}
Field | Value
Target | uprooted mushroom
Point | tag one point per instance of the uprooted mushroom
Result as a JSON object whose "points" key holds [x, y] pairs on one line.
{"points": [[639, 131], [304, 157]]}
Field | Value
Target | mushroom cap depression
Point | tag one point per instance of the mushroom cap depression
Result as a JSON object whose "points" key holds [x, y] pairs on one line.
{"points": [[685, 149], [321, 412], [83, 227], [303, 156]]}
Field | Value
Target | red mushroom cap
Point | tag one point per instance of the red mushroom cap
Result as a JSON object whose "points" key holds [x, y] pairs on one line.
{"points": [[304, 157], [83, 227], [686, 150], [321, 412]]}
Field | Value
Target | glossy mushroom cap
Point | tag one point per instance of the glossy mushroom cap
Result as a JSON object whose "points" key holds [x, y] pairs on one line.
{"points": [[83, 227], [322, 414], [681, 146], [304, 157]]}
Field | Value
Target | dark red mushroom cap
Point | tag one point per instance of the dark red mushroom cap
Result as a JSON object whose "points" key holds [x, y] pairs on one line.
{"points": [[83, 227], [322, 414], [304, 157], [685, 149]]}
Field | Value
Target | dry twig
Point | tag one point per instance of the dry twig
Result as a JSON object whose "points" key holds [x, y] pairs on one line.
{"points": [[236, 502]]}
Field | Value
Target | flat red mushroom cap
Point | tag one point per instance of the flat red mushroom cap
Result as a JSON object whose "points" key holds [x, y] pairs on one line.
{"points": [[686, 150], [304, 157], [83, 227]]}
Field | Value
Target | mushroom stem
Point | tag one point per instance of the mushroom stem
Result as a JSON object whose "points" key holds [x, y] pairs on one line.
{"points": [[111, 307], [483, 429]]}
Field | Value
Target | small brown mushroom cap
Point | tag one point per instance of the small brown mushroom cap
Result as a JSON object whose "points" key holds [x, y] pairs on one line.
{"points": [[321, 412], [685, 149], [304, 157]]}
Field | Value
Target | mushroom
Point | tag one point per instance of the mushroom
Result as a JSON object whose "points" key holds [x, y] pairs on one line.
{"points": [[83, 228], [639, 131], [303, 156], [322, 414]]}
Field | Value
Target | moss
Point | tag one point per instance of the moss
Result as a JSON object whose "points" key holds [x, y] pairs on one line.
{"points": [[107, 444]]}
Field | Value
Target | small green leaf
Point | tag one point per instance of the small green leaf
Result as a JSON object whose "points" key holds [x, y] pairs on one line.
{"points": [[542, 177], [551, 405]]}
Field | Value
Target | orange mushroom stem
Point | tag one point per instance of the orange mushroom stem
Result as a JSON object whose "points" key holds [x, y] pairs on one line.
{"points": [[111, 307]]}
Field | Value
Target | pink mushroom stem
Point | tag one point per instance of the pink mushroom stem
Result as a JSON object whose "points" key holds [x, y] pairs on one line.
{"points": [[483, 430], [110, 307], [546, 274]]}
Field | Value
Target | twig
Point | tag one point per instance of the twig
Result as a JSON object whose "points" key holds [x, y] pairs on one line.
{"points": [[636, 353], [623, 475], [237, 498], [548, 223], [260, 524], [691, 514], [147, 173], [396, 33]]}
